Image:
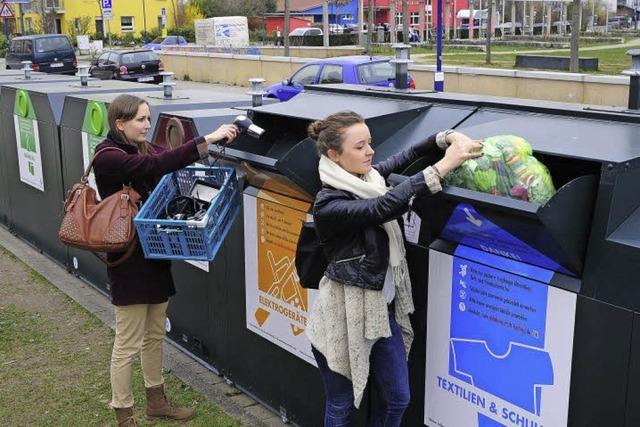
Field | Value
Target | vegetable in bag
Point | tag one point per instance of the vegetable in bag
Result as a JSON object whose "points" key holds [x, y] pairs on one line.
{"points": [[507, 168]]}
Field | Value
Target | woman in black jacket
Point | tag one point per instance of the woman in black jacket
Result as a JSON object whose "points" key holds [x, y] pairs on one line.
{"points": [[359, 323]]}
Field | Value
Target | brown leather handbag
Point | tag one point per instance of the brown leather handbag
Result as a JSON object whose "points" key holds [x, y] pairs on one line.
{"points": [[100, 226]]}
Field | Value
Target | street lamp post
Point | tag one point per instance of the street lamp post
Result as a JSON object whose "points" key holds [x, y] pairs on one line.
{"points": [[438, 79]]}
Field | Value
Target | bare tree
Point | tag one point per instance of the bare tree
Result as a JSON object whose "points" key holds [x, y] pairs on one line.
{"points": [[286, 27], [574, 65], [47, 15], [405, 21], [235, 7], [78, 27], [325, 23], [487, 58], [370, 27]]}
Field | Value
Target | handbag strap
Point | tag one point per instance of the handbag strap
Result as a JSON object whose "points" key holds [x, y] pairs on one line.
{"points": [[85, 176], [120, 260]]}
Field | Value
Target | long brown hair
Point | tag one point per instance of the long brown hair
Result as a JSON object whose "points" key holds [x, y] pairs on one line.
{"points": [[125, 107], [328, 133]]}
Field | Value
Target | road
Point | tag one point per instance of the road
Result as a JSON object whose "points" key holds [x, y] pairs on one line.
{"points": [[190, 85]]}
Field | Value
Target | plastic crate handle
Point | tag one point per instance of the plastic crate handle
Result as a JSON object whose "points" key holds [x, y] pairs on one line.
{"points": [[168, 229]]}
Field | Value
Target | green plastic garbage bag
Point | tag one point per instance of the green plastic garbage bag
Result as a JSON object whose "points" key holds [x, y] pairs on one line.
{"points": [[508, 168]]}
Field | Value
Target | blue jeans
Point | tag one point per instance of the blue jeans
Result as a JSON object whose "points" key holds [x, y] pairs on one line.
{"points": [[390, 373]]}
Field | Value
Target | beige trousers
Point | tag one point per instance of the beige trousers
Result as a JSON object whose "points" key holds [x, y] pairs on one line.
{"points": [[140, 329]]}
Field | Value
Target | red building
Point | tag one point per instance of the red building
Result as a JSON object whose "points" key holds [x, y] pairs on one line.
{"points": [[383, 11], [301, 12], [275, 23]]}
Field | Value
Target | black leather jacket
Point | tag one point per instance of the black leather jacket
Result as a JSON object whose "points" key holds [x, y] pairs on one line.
{"points": [[350, 228]]}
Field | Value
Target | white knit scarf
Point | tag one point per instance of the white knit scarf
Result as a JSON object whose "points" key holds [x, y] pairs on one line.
{"points": [[370, 186], [345, 336]]}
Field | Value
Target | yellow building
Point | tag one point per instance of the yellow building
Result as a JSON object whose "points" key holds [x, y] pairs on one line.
{"points": [[78, 16]]}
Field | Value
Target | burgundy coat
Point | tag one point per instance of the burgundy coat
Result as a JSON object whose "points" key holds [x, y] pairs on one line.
{"points": [[139, 280]]}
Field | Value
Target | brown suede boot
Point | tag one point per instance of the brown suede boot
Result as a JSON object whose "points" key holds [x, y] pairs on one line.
{"points": [[124, 416], [159, 407]]}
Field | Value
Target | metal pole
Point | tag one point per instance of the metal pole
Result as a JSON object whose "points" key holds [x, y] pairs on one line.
{"points": [[438, 81]]}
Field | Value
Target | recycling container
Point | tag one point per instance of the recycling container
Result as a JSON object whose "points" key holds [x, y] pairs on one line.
{"points": [[30, 144], [531, 291], [80, 135], [265, 351], [10, 77], [543, 295]]}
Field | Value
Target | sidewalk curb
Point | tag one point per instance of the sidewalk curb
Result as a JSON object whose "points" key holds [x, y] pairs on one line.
{"points": [[190, 370]]}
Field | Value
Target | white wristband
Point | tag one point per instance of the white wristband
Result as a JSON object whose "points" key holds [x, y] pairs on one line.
{"points": [[441, 138]]}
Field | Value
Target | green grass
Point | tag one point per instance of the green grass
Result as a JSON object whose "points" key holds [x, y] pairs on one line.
{"points": [[54, 361], [611, 61]]}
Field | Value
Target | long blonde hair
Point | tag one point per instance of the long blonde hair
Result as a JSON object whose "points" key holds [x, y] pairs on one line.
{"points": [[125, 107]]}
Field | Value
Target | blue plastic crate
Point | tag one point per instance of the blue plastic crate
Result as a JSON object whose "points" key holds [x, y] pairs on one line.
{"points": [[188, 239]]}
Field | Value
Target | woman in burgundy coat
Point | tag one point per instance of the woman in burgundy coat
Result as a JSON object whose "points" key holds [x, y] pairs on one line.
{"points": [[140, 288]]}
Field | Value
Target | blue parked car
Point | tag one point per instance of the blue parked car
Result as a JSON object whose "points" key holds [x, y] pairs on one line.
{"points": [[159, 42], [363, 70]]}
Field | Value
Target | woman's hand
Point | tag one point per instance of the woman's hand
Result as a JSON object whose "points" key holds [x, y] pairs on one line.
{"points": [[228, 132], [461, 148]]}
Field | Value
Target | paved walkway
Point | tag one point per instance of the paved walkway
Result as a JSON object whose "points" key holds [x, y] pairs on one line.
{"points": [[189, 370]]}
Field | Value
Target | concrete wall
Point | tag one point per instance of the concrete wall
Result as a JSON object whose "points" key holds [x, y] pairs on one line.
{"points": [[551, 86], [294, 51]]}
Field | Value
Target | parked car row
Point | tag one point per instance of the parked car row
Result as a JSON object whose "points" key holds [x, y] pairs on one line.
{"points": [[54, 54]]}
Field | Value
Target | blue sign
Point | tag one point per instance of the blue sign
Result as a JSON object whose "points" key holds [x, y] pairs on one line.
{"points": [[469, 228], [499, 342], [484, 421], [106, 4], [498, 324]]}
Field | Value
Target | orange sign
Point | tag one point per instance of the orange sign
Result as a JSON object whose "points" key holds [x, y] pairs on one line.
{"points": [[279, 219]]}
